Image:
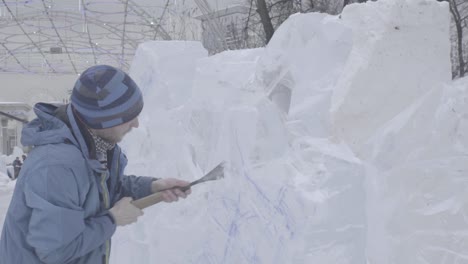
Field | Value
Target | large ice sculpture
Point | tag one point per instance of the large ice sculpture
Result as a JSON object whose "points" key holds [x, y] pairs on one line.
{"points": [[343, 146]]}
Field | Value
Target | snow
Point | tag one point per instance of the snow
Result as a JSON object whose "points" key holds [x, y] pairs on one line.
{"points": [[6, 190], [345, 140]]}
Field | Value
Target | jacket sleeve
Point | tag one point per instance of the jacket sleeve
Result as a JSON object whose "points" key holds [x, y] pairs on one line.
{"points": [[58, 229], [136, 186]]}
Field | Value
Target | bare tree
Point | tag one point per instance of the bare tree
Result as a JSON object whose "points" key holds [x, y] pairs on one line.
{"points": [[272, 13], [269, 15], [262, 10], [459, 11]]}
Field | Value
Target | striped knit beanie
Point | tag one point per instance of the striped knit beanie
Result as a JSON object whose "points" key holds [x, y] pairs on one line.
{"points": [[105, 97]]}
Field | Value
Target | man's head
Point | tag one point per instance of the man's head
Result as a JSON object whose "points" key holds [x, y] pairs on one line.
{"points": [[107, 101]]}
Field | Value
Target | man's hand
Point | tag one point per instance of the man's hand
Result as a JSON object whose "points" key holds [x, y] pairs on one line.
{"points": [[124, 212], [171, 195]]}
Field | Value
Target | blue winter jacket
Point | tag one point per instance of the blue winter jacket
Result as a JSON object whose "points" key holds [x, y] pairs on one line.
{"points": [[59, 209]]}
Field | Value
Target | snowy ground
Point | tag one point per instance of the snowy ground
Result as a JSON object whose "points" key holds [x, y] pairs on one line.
{"points": [[6, 191], [345, 138]]}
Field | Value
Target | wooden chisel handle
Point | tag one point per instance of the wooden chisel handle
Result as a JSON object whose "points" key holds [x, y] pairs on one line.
{"points": [[157, 197], [149, 200]]}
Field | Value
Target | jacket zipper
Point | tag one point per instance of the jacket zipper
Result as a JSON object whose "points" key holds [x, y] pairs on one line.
{"points": [[106, 200], [105, 192]]}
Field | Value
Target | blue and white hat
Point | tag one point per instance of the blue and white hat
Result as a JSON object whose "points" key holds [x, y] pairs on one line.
{"points": [[105, 97]]}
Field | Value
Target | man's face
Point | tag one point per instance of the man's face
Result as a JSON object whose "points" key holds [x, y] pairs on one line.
{"points": [[117, 133]]}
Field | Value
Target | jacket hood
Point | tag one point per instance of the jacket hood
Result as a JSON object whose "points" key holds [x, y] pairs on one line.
{"points": [[47, 128]]}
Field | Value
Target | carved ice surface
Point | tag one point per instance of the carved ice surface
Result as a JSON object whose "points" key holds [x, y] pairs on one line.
{"points": [[343, 140]]}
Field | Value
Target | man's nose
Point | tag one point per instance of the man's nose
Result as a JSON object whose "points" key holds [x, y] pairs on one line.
{"points": [[135, 123]]}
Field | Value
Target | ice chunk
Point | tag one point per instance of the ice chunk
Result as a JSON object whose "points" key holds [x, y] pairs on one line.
{"points": [[400, 51], [159, 65], [330, 180], [300, 67], [419, 207]]}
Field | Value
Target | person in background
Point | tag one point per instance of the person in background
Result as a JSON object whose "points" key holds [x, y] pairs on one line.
{"points": [[17, 167], [23, 157], [73, 193]]}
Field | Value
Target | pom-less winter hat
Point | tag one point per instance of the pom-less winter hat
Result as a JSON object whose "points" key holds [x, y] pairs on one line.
{"points": [[105, 97]]}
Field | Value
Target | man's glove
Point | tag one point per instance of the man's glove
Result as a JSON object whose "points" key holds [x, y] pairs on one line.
{"points": [[124, 212]]}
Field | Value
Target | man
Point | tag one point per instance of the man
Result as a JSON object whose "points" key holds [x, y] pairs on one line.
{"points": [[72, 193], [17, 166]]}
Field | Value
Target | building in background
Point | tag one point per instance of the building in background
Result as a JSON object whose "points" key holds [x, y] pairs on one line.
{"points": [[12, 118]]}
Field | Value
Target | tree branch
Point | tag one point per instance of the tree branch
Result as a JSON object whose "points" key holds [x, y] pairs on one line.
{"points": [[266, 20]]}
